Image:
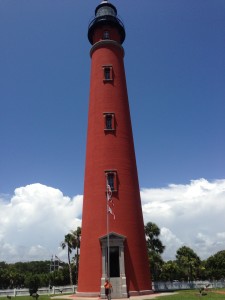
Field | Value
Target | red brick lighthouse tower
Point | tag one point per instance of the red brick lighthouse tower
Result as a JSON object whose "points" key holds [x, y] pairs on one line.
{"points": [[113, 241]]}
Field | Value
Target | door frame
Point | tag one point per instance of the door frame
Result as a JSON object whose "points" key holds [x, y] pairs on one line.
{"points": [[115, 240]]}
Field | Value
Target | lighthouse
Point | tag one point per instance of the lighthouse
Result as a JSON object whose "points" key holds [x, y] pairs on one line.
{"points": [[113, 241]]}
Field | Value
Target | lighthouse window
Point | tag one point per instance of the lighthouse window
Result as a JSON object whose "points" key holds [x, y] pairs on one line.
{"points": [[111, 180], [105, 35], [109, 121], [107, 73]]}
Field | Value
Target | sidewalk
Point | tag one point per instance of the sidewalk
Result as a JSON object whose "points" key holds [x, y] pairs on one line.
{"points": [[142, 297]]}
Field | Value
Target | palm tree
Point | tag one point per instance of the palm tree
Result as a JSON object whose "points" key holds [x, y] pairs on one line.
{"points": [[155, 248], [71, 242], [68, 243], [77, 236]]}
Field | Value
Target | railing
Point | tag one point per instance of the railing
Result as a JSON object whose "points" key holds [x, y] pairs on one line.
{"points": [[41, 291], [156, 286], [184, 285]]}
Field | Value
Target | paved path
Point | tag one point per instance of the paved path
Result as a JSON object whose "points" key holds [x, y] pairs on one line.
{"points": [[144, 297]]}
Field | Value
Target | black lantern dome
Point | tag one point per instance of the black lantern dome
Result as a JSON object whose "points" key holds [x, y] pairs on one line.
{"points": [[106, 14]]}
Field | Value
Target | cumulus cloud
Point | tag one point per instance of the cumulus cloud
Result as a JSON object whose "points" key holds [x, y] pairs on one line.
{"points": [[35, 219], [34, 222], [190, 215]]}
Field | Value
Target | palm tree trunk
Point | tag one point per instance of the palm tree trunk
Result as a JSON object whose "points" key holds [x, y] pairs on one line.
{"points": [[70, 270]]}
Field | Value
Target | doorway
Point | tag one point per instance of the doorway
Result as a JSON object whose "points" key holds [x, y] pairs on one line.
{"points": [[116, 264]]}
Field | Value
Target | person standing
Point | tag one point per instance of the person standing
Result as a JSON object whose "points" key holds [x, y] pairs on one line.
{"points": [[108, 288]]}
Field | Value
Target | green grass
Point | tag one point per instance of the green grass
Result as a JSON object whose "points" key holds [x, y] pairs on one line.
{"points": [[41, 297], [194, 295], [44, 297], [179, 295]]}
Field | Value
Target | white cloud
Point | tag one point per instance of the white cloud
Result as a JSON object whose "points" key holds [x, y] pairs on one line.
{"points": [[170, 240], [34, 221], [191, 215]]}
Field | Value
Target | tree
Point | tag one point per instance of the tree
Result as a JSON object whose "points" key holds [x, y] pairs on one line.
{"points": [[215, 265], [68, 243], [170, 271], [155, 248], [32, 275], [32, 281], [77, 236], [71, 242], [188, 262]]}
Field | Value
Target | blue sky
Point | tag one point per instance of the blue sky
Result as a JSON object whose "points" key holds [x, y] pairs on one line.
{"points": [[175, 76], [174, 60]]}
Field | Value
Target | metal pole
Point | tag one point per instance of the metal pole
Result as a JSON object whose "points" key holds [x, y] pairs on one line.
{"points": [[108, 252]]}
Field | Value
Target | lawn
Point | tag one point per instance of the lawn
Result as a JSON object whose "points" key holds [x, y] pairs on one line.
{"points": [[194, 295], [179, 295], [41, 297]]}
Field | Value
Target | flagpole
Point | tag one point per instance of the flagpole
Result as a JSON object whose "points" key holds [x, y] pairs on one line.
{"points": [[108, 252], [109, 210], [107, 230]]}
